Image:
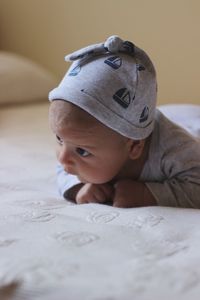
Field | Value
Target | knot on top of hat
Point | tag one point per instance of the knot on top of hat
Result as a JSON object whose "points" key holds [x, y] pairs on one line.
{"points": [[113, 44]]}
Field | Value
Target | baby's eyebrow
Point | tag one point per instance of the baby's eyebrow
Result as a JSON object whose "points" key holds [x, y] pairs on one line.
{"points": [[80, 144], [85, 146]]}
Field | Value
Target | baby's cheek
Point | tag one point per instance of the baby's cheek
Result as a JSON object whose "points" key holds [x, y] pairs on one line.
{"points": [[102, 176]]}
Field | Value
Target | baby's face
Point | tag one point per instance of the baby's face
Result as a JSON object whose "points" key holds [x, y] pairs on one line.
{"points": [[85, 147]]}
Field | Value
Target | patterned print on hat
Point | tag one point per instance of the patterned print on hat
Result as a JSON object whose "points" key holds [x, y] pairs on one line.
{"points": [[114, 62]]}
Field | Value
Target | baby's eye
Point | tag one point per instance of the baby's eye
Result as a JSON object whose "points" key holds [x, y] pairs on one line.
{"points": [[59, 140], [82, 152]]}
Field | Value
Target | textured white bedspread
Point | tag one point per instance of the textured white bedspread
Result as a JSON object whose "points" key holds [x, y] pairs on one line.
{"points": [[53, 250]]}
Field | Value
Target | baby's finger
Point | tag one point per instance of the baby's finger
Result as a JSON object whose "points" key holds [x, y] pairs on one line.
{"points": [[108, 190], [99, 195], [81, 199]]}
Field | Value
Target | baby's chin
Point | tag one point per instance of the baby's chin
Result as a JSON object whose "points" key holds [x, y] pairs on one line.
{"points": [[93, 181]]}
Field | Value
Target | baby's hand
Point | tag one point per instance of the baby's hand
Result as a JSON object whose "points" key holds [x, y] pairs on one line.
{"points": [[95, 193], [131, 193], [127, 193]]}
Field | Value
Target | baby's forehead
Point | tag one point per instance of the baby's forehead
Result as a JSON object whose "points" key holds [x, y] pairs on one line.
{"points": [[63, 113]]}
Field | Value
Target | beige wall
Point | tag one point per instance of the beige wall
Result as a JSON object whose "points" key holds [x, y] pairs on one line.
{"points": [[46, 30]]}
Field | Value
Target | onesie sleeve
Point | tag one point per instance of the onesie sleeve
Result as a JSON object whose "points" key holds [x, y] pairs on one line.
{"points": [[65, 181], [179, 184], [172, 170], [176, 192]]}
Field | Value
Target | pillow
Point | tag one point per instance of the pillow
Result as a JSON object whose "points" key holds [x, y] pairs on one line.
{"points": [[185, 115], [22, 80]]}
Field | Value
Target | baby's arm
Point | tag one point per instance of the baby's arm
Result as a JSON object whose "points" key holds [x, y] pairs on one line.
{"points": [[131, 193], [125, 193], [94, 193]]}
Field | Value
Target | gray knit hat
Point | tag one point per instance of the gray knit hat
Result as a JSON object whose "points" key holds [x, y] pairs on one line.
{"points": [[115, 82]]}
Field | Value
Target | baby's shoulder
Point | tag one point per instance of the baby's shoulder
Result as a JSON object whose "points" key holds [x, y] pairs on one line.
{"points": [[167, 128], [167, 134]]}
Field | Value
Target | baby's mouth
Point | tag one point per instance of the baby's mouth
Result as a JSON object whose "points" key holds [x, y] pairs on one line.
{"points": [[82, 179], [70, 171]]}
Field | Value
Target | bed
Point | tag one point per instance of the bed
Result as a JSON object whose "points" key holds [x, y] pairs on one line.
{"points": [[52, 249]]}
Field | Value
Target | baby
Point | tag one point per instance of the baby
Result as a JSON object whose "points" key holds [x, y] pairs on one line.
{"points": [[114, 145]]}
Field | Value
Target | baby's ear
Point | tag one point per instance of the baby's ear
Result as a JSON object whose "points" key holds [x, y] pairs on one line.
{"points": [[135, 148]]}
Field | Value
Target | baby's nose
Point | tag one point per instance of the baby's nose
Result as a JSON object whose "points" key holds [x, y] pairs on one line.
{"points": [[65, 156]]}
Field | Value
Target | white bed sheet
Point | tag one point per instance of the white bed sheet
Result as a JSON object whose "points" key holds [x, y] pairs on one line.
{"points": [[52, 249]]}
